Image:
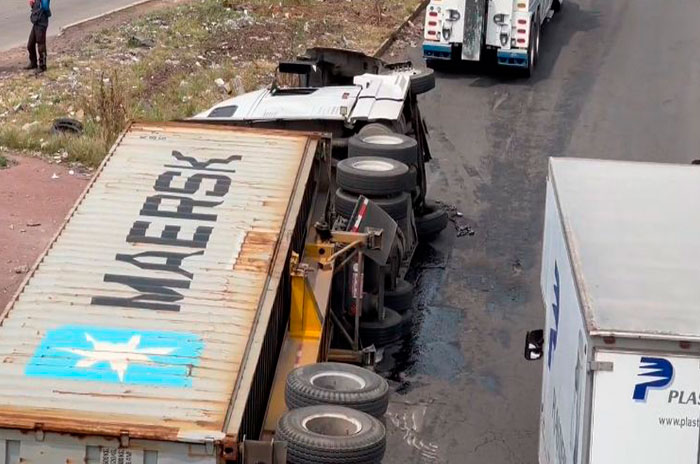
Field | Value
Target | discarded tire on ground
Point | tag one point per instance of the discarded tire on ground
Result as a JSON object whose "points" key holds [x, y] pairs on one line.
{"points": [[331, 434], [371, 175], [337, 384], [394, 146], [67, 126], [433, 220], [395, 206], [422, 81], [401, 298], [381, 332]]}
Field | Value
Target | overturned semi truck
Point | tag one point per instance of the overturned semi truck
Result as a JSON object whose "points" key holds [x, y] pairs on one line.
{"points": [[185, 309]]}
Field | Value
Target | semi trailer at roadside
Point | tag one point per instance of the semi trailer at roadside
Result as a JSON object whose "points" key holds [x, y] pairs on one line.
{"points": [[621, 343], [188, 307], [464, 30]]}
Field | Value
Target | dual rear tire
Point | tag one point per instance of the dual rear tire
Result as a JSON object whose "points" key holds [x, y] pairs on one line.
{"points": [[333, 417]]}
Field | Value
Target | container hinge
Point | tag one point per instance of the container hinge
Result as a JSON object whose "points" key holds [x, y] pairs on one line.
{"points": [[124, 439], [209, 446], [600, 366], [39, 432]]}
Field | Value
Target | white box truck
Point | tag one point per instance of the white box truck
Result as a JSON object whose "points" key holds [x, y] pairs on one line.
{"points": [[621, 289], [460, 30]]}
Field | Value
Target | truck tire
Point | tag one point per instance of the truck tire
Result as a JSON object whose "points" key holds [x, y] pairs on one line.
{"points": [[371, 175], [432, 222], [337, 384], [422, 81], [533, 46], [331, 435], [395, 206], [400, 299], [375, 128], [381, 333], [394, 146], [406, 322]]}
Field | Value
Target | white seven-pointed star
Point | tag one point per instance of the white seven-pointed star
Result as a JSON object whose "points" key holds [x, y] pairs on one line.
{"points": [[118, 355]]}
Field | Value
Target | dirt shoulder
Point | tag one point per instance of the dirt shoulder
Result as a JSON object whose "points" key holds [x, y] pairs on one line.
{"points": [[35, 197]]}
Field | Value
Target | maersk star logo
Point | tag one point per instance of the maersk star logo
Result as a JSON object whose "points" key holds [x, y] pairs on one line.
{"points": [[117, 356]]}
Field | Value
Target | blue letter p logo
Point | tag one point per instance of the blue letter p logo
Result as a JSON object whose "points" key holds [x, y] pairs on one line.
{"points": [[660, 368]]}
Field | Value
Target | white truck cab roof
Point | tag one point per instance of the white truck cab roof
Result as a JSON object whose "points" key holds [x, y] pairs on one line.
{"points": [[371, 97]]}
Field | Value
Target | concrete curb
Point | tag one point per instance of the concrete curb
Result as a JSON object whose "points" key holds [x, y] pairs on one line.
{"points": [[63, 29], [390, 40]]}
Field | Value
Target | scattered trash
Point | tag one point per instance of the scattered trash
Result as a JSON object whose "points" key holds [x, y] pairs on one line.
{"points": [[21, 269], [71, 172], [457, 218], [55, 176], [139, 42], [29, 126], [33, 224], [18, 107]]}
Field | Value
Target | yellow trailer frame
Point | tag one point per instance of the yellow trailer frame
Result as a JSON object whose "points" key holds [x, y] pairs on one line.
{"points": [[310, 322]]}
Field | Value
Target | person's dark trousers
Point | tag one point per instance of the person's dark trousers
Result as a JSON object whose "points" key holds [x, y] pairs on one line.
{"points": [[37, 43]]}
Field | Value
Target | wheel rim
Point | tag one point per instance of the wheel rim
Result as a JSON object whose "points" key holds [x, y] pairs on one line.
{"points": [[332, 425], [373, 165], [338, 381], [383, 140]]}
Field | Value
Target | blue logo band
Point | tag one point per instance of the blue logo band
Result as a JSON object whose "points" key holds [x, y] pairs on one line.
{"points": [[112, 355], [653, 367]]}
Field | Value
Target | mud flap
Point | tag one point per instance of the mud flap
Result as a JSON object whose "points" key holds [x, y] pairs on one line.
{"points": [[474, 14]]}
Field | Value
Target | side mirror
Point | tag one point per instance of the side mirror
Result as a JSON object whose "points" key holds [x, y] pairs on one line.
{"points": [[534, 341]]}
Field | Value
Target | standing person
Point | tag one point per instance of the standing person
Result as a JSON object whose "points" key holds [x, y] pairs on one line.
{"points": [[41, 12]]}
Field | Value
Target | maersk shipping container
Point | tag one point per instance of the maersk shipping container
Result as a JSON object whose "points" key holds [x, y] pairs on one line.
{"points": [[148, 331], [621, 288]]}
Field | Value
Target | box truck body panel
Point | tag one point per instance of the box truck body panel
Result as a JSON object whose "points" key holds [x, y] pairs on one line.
{"points": [[150, 315], [645, 410], [566, 348], [633, 229], [620, 290]]}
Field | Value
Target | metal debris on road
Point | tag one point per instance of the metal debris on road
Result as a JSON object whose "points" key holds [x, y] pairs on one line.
{"points": [[23, 269], [456, 217]]}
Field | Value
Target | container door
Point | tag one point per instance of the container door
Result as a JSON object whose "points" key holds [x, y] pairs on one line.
{"points": [[645, 409]]}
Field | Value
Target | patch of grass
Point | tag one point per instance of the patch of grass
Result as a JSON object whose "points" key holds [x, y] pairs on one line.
{"points": [[4, 162]]}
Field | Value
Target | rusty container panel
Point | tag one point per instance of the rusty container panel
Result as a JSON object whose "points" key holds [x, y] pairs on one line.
{"points": [[139, 317]]}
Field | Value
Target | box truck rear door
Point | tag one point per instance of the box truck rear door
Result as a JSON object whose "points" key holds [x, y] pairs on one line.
{"points": [[646, 409]]}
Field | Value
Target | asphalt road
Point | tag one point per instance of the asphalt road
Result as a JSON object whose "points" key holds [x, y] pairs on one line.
{"points": [[14, 17], [617, 80]]}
